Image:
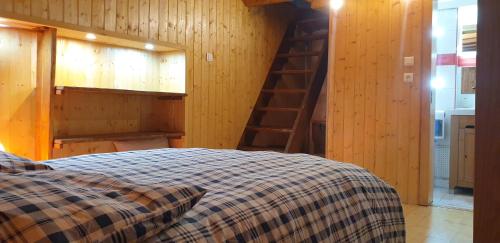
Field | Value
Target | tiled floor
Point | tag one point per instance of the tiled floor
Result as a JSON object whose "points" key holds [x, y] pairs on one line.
{"points": [[458, 198], [436, 224]]}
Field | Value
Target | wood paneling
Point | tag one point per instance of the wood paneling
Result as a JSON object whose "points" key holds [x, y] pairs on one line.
{"points": [[95, 65], [374, 117], [220, 93], [18, 51], [487, 179]]}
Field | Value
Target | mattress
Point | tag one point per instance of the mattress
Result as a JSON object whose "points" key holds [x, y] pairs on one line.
{"points": [[261, 196]]}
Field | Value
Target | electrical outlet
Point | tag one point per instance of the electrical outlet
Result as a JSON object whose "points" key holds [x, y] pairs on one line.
{"points": [[409, 61], [210, 57], [408, 77]]}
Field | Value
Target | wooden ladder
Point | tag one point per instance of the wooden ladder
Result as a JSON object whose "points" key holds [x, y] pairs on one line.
{"points": [[280, 118]]}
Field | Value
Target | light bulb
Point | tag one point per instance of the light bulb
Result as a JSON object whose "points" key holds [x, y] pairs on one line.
{"points": [[149, 46], [90, 36], [336, 4]]}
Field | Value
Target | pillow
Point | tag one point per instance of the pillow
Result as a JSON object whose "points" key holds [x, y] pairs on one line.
{"points": [[10, 163], [65, 206], [144, 144]]}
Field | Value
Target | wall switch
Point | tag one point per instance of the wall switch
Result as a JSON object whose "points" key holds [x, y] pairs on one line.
{"points": [[210, 57], [409, 61], [408, 77]]}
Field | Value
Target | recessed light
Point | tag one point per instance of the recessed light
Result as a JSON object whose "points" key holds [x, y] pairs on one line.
{"points": [[336, 4], [90, 36], [149, 46]]}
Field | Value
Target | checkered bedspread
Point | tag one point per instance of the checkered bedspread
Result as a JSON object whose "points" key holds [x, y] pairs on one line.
{"points": [[262, 196]]}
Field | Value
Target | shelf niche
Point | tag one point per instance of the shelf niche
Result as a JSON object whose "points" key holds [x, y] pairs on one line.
{"points": [[110, 92]]}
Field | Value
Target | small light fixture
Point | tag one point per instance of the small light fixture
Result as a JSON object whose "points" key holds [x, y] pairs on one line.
{"points": [[3, 25], [90, 36], [2, 148], [149, 46], [336, 4]]}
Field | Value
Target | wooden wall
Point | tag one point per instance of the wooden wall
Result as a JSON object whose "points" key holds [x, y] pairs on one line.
{"points": [[220, 93], [374, 117], [18, 51], [487, 179]]}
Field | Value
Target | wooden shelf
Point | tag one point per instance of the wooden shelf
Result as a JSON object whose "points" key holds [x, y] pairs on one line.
{"points": [[60, 90], [59, 142]]}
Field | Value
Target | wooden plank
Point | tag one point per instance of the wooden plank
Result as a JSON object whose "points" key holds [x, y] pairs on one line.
{"points": [[403, 106], [383, 72], [116, 137], [254, 3], [392, 92], [110, 15], [349, 85], [121, 16], [360, 72], [23, 7], [62, 89], [40, 9], [56, 10], [144, 9], [84, 13], [163, 20], [189, 71], [181, 22], [154, 6], [219, 65], [98, 13], [205, 75], [7, 5], [172, 21], [197, 74], [70, 12], [133, 17], [370, 87]]}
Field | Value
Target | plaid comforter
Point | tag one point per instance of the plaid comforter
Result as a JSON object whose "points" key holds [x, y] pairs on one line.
{"points": [[261, 196]]}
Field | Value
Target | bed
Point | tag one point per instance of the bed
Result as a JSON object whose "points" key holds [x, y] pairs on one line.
{"points": [[260, 196]]}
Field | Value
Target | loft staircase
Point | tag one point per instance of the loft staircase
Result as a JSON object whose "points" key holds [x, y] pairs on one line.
{"points": [[281, 116]]}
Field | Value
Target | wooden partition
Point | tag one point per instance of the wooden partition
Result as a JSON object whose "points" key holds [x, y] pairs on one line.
{"points": [[95, 93], [487, 171], [18, 76], [87, 120], [108, 92], [375, 119], [221, 93]]}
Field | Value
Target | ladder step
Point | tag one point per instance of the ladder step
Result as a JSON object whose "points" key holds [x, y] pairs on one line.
{"points": [[318, 20], [299, 54], [308, 37], [278, 109], [292, 72], [284, 91], [269, 129], [261, 148]]}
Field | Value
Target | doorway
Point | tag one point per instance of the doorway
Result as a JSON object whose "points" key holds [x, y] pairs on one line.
{"points": [[454, 80]]}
